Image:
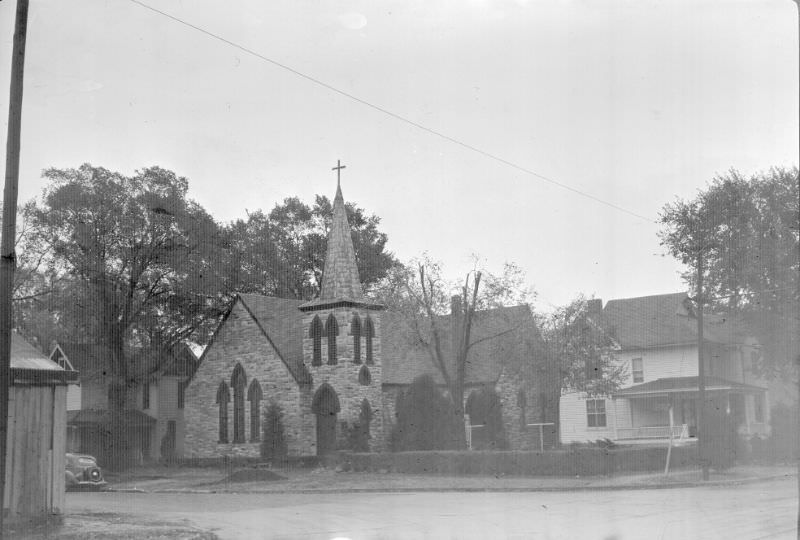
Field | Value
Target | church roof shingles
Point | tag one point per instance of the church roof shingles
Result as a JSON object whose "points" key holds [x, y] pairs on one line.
{"points": [[281, 322]]}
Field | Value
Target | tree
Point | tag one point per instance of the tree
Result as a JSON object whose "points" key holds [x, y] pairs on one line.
{"points": [[140, 257], [424, 419], [423, 297], [746, 233], [582, 348], [273, 438], [282, 253]]}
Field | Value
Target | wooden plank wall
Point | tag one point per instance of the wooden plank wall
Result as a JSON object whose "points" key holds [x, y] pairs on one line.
{"points": [[36, 447]]}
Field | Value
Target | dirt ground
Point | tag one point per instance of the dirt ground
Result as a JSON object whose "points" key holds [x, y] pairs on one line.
{"points": [[106, 526]]}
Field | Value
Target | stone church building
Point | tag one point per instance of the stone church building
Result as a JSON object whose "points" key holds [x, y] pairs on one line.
{"points": [[327, 360]]}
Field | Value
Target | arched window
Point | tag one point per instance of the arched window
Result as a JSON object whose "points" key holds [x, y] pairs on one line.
{"points": [[238, 383], [364, 420], [254, 396], [332, 330], [315, 333], [355, 331], [223, 397], [364, 376], [369, 333]]}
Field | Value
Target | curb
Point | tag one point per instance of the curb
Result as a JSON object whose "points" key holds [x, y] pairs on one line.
{"points": [[532, 489]]}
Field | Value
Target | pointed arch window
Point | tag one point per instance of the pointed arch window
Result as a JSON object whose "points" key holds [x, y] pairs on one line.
{"points": [[331, 331], [369, 334], [254, 396], [364, 376], [355, 331], [315, 333], [238, 382], [223, 397]]}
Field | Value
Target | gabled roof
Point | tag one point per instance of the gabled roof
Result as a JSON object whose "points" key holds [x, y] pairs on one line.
{"points": [[672, 385], [502, 337], [281, 322], [656, 321], [29, 366], [85, 357]]}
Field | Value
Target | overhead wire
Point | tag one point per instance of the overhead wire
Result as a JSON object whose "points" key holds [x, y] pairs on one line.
{"points": [[394, 115]]}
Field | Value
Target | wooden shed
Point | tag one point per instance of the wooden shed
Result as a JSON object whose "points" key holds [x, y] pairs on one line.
{"points": [[37, 428]]}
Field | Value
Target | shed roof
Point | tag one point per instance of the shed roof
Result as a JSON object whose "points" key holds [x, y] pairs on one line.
{"points": [[674, 385], [29, 366]]}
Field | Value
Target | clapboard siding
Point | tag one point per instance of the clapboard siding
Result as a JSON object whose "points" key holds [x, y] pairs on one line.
{"points": [[574, 424], [73, 397]]}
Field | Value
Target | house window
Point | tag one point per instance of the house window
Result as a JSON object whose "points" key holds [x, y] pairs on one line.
{"points": [[637, 368], [254, 396], [223, 397], [332, 330], [146, 395], [369, 334], [596, 412], [315, 333], [758, 411], [238, 382], [355, 331]]}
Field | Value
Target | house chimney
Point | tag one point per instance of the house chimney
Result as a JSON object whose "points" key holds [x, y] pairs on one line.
{"points": [[594, 309]]}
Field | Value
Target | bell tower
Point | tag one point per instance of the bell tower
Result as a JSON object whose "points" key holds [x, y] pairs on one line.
{"points": [[342, 341]]}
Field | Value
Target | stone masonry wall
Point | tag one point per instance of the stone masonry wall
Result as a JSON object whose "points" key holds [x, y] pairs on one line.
{"points": [[241, 341], [343, 376]]}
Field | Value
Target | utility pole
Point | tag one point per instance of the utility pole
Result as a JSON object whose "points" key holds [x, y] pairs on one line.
{"points": [[702, 432], [8, 259]]}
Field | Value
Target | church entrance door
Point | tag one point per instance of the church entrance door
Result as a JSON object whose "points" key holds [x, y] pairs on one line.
{"points": [[326, 406]]}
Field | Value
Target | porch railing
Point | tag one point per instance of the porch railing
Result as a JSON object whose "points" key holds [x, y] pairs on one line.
{"points": [[653, 432]]}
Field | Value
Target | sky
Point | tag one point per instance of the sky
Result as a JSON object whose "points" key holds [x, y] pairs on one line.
{"points": [[634, 103]]}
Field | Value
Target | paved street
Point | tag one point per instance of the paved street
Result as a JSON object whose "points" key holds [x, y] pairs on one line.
{"points": [[754, 511]]}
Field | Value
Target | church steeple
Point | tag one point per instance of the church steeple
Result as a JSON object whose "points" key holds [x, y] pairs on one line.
{"points": [[341, 283]]}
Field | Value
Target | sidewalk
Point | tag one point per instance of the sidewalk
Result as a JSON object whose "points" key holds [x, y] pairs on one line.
{"points": [[207, 480]]}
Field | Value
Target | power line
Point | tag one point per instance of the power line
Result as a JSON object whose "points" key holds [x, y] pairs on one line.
{"points": [[392, 114]]}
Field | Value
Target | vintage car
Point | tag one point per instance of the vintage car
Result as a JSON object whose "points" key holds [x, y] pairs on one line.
{"points": [[82, 472]]}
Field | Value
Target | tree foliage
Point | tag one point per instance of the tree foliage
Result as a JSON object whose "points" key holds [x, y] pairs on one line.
{"points": [[582, 348], [747, 231], [282, 253], [424, 419], [273, 436], [423, 297]]}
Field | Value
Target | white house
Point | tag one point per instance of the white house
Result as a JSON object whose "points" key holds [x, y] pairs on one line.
{"points": [[656, 338]]}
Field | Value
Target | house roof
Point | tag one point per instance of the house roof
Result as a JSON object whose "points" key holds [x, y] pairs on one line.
{"points": [[503, 337], [86, 357], [29, 366], [97, 417], [281, 321], [672, 385], [656, 321]]}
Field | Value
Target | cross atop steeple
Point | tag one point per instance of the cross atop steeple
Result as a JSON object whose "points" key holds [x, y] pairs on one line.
{"points": [[338, 170]]}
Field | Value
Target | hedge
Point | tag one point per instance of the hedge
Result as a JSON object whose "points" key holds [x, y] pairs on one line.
{"points": [[580, 461]]}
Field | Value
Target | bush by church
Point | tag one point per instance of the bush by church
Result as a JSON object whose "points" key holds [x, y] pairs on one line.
{"points": [[580, 460]]}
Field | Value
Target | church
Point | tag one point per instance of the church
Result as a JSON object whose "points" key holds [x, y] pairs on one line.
{"points": [[340, 358]]}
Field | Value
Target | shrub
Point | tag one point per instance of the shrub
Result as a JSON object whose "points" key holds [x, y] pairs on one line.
{"points": [[721, 437], [168, 447], [425, 418], [273, 441]]}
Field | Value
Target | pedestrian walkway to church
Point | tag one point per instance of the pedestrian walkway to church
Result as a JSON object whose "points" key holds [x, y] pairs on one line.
{"points": [[320, 480]]}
